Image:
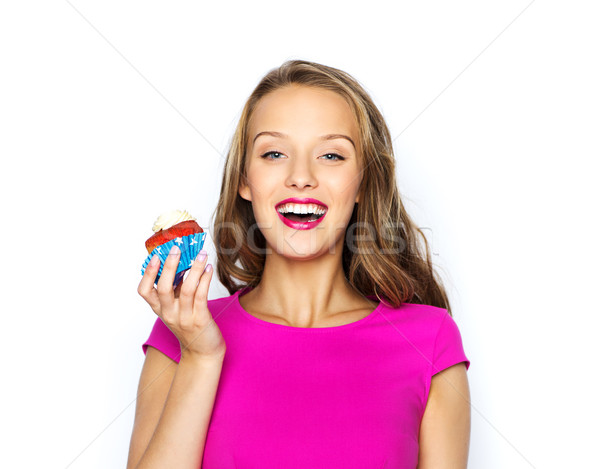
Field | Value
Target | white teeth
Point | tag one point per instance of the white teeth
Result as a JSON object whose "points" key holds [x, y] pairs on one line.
{"points": [[301, 209]]}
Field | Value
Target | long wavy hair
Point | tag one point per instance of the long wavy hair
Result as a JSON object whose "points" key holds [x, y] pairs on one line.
{"points": [[390, 257]]}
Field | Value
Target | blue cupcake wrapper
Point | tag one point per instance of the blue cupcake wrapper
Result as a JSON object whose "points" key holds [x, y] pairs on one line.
{"points": [[189, 245]]}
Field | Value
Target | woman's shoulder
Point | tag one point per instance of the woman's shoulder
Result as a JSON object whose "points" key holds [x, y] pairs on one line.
{"points": [[223, 301], [222, 305], [424, 327], [414, 315], [416, 309]]}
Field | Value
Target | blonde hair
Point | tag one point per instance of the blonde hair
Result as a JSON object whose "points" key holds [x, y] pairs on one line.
{"points": [[389, 262]]}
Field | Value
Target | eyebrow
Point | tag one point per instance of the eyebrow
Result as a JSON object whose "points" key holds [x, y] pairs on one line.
{"points": [[324, 137]]}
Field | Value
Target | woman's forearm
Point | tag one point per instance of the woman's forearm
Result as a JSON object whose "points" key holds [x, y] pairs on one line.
{"points": [[180, 435]]}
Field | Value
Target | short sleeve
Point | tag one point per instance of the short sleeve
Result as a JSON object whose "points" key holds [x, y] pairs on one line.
{"points": [[161, 338], [448, 348]]}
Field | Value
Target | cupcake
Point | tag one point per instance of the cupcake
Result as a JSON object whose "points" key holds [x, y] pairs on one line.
{"points": [[175, 228]]}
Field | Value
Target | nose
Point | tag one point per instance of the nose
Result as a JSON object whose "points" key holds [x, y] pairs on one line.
{"points": [[301, 174]]}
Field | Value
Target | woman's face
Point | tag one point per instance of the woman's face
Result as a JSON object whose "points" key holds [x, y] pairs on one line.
{"points": [[302, 144]]}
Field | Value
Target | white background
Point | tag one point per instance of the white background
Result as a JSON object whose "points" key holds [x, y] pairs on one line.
{"points": [[113, 112]]}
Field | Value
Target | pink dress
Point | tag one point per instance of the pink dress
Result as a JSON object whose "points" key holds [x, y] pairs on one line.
{"points": [[349, 396]]}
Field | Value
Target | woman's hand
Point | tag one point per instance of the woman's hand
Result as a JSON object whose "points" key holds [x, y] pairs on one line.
{"points": [[184, 309]]}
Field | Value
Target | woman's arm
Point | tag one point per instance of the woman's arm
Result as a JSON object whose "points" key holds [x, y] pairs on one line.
{"points": [[446, 425], [178, 439], [155, 381], [173, 411]]}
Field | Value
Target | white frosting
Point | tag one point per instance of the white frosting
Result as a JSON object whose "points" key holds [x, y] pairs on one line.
{"points": [[167, 220]]}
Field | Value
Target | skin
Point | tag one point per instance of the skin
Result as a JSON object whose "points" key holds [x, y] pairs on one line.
{"points": [[446, 425], [304, 268]]}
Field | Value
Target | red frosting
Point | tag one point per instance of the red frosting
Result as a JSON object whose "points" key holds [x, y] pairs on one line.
{"points": [[185, 228]]}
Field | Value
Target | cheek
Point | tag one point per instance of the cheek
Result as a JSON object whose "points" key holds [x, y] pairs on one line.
{"points": [[346, 185], [265, 177]]}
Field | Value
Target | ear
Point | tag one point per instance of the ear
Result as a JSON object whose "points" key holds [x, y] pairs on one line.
{"points": [[244, 191]]}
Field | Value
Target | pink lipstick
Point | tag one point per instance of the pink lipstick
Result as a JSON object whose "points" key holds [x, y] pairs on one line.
{"points": [[311, 221]]}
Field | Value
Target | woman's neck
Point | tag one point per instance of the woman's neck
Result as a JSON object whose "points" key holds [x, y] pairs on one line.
{"points": [[305, 293]]}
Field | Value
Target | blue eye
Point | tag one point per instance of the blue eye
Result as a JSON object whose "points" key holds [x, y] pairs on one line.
{"points": [[338, 157], [270, 153]]}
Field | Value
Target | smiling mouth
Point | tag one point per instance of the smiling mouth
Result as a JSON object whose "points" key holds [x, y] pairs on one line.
{"points": [[305, 217]]}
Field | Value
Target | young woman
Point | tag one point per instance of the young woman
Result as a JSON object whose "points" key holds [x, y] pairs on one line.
{"points": [[337, 350]]}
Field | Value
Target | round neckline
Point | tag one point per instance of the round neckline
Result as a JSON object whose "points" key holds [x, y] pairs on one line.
{"points": [[262, 322]]}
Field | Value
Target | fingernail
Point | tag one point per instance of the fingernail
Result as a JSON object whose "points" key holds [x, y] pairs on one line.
{"points": [[201, 255], [209, 268], [153, 261], [174, 250]]}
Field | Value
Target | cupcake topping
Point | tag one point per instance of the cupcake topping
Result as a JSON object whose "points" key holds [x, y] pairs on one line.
{"points": [[167, 220]]}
